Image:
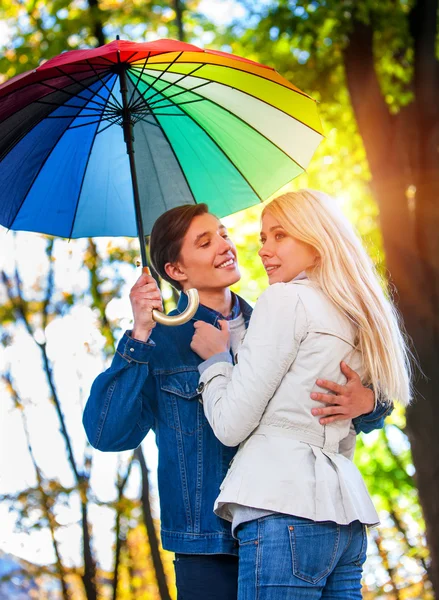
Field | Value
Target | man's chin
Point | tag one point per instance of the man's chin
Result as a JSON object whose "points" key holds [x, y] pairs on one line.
{"points": [[234, 277], [226, 278]]}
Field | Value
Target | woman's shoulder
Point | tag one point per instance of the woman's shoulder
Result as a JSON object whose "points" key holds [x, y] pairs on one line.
{"points": [[293, 290], [322, 313], [278, 302], [279, 293]]}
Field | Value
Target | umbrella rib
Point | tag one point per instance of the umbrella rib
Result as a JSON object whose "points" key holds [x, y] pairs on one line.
{"points": [[176, 157], [84, 174], [14, 142], [83, 125], [157, 78], [100, 58], [147, 110], [165, 114], [110, 124], [118, 104], [64, 105], [87, 89], [184, 91], [37, 173], [145, 120], [260, 99], [138, 80], [254, 129], [225, 155], [70, 94], [131, 56], [92, 116], [223, 66], [174, 82], [102, 114]]}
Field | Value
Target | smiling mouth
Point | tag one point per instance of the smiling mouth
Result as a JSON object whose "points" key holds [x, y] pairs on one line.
{"points": [[271, 269], [227, 263]]}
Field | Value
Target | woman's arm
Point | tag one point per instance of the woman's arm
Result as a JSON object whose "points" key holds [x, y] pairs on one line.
{"points": [[235, 397]]}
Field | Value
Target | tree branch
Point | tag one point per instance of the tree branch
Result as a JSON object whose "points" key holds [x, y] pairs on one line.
{"points": [[149, 524], [121, 484], [89, 576], [46, 502]]}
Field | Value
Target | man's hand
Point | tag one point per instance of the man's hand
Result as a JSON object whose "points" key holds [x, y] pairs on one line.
{"points": [[144, 296], [347, 402], [208, 340]]}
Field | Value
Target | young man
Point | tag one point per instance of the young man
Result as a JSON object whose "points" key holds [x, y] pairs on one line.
{"points": [[152, 384]]}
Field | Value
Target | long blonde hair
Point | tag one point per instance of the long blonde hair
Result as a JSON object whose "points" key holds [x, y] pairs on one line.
{"points": [[347, 276]]}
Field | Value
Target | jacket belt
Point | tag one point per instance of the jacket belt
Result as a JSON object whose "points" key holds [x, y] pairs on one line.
{"points": [[329, 442]]}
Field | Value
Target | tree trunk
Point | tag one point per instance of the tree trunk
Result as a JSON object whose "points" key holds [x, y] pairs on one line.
{"points": [[402, 151], [179, 19], [96, 19], [20, 306], [118, 529], [150, 529]]}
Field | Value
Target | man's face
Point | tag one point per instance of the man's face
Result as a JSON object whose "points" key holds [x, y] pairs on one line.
{"points": [[208, 256]]}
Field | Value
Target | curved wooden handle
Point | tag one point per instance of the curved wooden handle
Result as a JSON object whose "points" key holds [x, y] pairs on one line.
{"points": [[183, 317]]}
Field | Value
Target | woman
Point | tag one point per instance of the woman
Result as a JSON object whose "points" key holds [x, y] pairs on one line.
{"points": [[298, 504]]}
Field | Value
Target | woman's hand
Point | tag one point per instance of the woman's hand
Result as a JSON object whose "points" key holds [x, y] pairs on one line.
{"points": [[208, 340], [145, 296]]}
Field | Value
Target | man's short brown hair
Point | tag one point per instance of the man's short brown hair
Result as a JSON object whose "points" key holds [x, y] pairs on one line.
{"points": [[167, 237]]}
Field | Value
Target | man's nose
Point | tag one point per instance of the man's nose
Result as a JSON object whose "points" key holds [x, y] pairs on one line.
{"points": [[225, 245]]}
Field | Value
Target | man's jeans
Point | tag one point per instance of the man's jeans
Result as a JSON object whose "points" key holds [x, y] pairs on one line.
{"points": [[283, 557], [206, 577]]}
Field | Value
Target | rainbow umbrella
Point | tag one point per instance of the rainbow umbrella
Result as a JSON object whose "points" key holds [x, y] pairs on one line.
{"points": [[101, 142]]}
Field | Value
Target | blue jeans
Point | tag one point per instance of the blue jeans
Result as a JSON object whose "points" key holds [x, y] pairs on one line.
{"points": [[284, 557], [206, 576]]}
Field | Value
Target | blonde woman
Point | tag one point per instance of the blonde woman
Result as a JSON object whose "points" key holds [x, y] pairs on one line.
{"points": [[298, 505]]}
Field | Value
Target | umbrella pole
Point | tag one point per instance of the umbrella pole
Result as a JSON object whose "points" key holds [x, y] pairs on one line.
{"points": [[128, 135]]}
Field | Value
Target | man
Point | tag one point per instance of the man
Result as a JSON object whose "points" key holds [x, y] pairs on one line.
{"points": [[152, 384]]}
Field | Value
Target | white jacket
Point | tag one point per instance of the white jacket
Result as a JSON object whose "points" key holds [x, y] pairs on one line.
{"points": [[287, 462]]}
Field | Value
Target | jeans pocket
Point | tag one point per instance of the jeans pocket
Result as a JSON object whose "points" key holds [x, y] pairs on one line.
{"points": [[247, 533], [314, 548], [360, 558]]}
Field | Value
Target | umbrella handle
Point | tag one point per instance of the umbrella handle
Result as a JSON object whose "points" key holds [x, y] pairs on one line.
{"points": [[183, 317]]}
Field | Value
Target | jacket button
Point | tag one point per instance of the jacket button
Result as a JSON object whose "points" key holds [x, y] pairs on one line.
{"points": [[200, 388], [131, 349]]}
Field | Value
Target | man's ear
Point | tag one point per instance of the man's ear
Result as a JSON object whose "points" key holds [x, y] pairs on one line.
{"points": [[174, 271]]}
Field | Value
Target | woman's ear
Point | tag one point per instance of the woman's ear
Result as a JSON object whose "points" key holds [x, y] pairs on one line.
{"points": [[174, 271]]}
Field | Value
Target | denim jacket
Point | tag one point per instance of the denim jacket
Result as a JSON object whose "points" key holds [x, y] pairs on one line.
{"points": [[153, 385]]}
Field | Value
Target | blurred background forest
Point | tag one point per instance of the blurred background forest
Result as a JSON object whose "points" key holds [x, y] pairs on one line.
{"points": [[77, 524]]}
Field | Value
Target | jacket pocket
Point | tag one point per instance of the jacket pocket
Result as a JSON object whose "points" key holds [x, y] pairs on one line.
{"points": [[314, 548], [183, 410]]}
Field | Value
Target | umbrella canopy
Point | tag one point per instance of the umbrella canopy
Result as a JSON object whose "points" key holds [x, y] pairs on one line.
{"points": [[199, 126]]}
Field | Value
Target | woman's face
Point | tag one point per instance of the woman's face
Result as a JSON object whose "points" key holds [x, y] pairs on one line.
{"points": [[283, 256]]}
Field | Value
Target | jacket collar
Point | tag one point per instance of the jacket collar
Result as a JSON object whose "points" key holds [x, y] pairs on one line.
{"points": [[301, 276], [204, 313]]}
